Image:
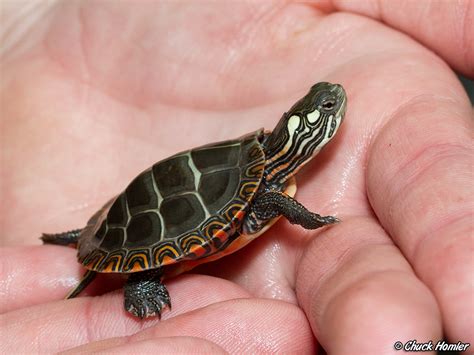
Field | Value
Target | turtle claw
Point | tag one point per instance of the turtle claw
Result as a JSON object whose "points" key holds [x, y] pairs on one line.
{"points": [[331, 220], [314, 221], [147, 304], [146, 297]]}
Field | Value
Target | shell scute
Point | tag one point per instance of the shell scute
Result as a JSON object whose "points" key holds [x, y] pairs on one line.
{"points": [[206, 160], [215, 188], [117, 214], [143, 229], [114, 239], [174, 176], [181, 214], [140, 194]]}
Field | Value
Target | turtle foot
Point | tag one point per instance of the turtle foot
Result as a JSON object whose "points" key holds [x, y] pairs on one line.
{"points": [[272, 204], [330, 220], [146, 296]]}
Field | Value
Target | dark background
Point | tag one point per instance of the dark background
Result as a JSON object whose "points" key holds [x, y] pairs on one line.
{"points": [[469, 86]]}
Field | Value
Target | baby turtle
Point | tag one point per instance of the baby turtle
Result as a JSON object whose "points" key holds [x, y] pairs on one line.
{"points": [[205, 203]]}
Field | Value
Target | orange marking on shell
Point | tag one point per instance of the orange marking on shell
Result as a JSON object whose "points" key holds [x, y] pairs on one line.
{"points": [[109, 267], [240, 215], [232, 210], [247, 189], [197, 250], [213, 225], [133, 261], [166, 259], [137, 267], [95, 261], [254, 171], [221, 235], [188, 242]]}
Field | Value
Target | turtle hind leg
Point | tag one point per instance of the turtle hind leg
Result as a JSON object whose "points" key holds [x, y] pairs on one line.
{"points": [[145, 295], [86, 280], [66, 238], [272, 204]]}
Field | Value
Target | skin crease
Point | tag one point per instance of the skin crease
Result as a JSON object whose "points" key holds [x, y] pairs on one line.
{"points": [[95, 92]]}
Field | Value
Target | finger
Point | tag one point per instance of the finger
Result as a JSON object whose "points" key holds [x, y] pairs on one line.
{"points": [[38, 274], [420, 185], [170, 345], [232, 324], [247, 327], [360, 294], [56, 272], [34, 275], [450, 31]]}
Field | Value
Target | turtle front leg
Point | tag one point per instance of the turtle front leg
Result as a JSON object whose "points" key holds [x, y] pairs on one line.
{"points": [[145, 295], [272, 204]]}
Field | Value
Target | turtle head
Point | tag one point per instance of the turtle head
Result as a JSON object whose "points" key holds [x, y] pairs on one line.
{"points": [[303, 131]]}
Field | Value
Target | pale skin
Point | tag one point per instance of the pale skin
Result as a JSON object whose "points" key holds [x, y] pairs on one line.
{"points": [[95, 94]]}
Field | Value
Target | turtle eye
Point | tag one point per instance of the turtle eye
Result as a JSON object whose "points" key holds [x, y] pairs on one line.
{"points": [[328, 105]]}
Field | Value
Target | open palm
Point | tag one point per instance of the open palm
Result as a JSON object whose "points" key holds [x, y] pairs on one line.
{"points": [[97, 92]]}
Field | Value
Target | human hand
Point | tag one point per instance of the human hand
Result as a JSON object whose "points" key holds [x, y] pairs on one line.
{"points": [[96, 92]]}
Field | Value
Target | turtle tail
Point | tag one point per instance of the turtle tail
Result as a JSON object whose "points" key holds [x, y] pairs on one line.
{"points": [[66, 238]]}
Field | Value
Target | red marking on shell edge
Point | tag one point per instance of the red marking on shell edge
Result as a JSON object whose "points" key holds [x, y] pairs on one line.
{"points": [[221, 235], [197, 250], [94, 262], [109, 268], [167, 260], [240, 215], [134, 262], [136, 267]]}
